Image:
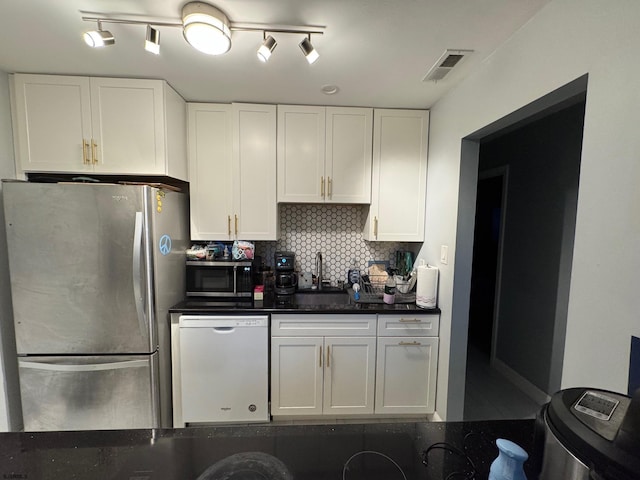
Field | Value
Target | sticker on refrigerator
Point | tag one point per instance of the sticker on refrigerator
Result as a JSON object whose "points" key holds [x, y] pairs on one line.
{"points": [[165, 244]]}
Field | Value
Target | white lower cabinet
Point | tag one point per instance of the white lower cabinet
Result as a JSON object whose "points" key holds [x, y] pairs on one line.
{"points": [[406, 366], [406, 375], [353, 364], [322, 364]]}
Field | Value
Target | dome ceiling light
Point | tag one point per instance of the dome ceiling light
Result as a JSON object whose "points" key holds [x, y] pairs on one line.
{"points": [[207, 29]]}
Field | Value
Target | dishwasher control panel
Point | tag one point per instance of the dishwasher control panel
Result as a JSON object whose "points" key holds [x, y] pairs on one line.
{"points": [[208, 321]]}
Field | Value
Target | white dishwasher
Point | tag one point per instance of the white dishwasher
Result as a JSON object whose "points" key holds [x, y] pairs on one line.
{"points": [[224, 368]]}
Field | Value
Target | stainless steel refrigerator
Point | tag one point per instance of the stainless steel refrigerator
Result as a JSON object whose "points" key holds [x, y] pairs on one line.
{"points": [[94, 269]]}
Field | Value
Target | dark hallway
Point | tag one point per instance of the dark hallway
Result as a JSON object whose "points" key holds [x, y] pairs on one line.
{"points": [[525, 212]]}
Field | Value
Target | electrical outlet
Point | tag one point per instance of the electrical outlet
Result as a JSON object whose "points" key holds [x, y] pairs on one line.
{"points": [[444, 254]]}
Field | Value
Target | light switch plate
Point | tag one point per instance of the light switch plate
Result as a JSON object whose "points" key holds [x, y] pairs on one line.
{"points": [[444, 254]]}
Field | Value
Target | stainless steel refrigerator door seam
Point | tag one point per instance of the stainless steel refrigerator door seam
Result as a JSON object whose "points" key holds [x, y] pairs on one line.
{"points": [[149, 208]]}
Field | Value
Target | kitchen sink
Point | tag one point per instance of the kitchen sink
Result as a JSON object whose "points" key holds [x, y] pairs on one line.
{"points": [[326, 296]]}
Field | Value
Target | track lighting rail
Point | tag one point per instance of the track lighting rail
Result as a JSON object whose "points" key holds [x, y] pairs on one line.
{"points": [[208, 30]]}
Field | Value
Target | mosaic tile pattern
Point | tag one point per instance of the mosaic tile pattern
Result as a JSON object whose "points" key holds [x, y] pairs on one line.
{"points": [[334, 230]]}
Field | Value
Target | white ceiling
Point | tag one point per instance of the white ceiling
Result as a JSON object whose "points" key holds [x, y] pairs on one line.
{"points": [[375, 51]]}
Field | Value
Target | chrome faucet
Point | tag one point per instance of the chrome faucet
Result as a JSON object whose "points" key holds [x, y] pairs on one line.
{"points": [[319, 269]]}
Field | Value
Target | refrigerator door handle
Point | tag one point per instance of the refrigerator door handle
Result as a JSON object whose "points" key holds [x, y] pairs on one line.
{"points": [[137, 271], [83, 367]]}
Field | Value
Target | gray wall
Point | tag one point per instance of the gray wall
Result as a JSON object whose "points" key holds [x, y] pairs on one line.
{"points": [[542, 191], [10, 413]]}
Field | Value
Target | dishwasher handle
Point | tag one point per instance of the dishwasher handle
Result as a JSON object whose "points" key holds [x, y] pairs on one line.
{"points": [[223, 330]]}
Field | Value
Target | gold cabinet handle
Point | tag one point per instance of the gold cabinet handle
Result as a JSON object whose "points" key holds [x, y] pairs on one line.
{"points": [[85, 152], [405, 344], [322, 187], [410, 320], [375, 226], [328, 356], [236, 224], [320, 357], [229, 224], [329, 187], [94, 152]]}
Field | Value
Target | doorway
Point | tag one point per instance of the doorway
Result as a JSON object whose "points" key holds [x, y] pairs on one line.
{"points": [[521, 264], [486, 248]]}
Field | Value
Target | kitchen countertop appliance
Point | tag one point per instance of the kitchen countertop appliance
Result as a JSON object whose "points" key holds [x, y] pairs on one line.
{"points": [[589, 434], [286, 280], [220, 279], [94, 269]]}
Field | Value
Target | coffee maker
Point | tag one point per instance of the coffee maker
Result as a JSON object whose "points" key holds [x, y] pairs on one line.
{"points": [[286, 279]]}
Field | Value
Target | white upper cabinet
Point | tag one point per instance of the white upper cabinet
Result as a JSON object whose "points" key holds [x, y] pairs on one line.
{"points": [[254, 163], [232, 171], [210, 171], [99, 125], [399, 176], [301, 144], [324, 154], [348, 155]]}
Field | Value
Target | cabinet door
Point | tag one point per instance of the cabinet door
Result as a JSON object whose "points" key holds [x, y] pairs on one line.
{"points": [[53, 119], [348, 155], [406, 371], [254, 177], [296, 375], [210, 171], [301, 151], [399, 176], [127, 119], [349, 375]]}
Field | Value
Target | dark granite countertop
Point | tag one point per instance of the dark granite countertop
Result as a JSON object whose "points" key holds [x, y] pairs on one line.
{"points": [[369, 451], [200, 306]]}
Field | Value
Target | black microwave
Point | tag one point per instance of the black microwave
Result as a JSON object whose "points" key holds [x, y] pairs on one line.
{"points": [[219, 279]]}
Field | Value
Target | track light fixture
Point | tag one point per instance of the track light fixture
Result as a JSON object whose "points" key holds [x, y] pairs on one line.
{"points": [[208, 30], [267, 48], [152, 40], [99, 38], [310, 53]]}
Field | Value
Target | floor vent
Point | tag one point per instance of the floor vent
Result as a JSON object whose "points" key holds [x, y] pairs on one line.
{"points": [[448, 60]]}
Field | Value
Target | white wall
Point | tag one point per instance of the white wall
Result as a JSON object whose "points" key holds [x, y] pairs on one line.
{"points": [[565, 40], [9, 400]]}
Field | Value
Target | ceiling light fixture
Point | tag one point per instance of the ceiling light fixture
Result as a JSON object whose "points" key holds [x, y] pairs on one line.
{"points": [[207, 29], [99, 38], [309, 52], [267, 47], [152, 40]]}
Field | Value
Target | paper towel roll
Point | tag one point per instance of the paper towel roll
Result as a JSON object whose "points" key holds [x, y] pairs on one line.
{"points": [[427, 286]]}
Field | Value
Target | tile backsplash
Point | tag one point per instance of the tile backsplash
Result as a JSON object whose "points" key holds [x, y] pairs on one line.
{"points": [[334, 230]]}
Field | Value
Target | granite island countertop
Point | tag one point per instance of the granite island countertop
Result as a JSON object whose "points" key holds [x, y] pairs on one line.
{"points": [[372, 451]]}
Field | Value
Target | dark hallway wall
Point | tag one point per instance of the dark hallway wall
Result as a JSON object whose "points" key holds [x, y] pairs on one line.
{"points": [[544, 165]]}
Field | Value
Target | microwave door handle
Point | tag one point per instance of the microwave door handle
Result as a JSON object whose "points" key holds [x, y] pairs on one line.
{"points": [[137, 271], [235, 280]]}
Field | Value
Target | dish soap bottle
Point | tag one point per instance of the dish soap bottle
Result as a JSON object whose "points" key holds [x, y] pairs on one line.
{"points": [[389, 296], [508, 464]]}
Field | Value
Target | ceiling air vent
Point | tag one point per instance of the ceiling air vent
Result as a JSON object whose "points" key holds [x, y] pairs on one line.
{"points": [[448, 60]]}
